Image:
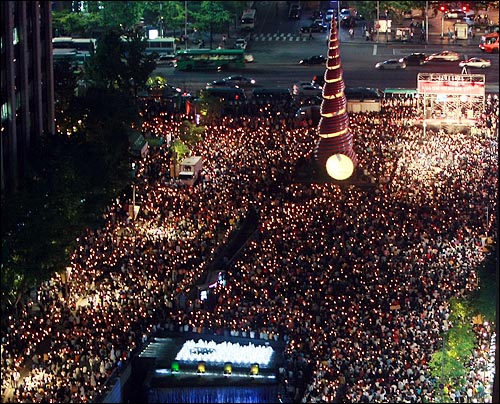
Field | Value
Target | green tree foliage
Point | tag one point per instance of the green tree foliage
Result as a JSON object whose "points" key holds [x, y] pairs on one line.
{"points": [[77, 24], [120, 64], [212, 17], [394, 9], [190, 133], [138, 66], [485, 298], [122, 14], [169, 14], [450, 362]]}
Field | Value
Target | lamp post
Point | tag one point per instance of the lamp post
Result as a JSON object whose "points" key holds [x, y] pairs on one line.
{"points": [[442, 25], [445, 331], [378, 18], [426, 21], [186, 23]]}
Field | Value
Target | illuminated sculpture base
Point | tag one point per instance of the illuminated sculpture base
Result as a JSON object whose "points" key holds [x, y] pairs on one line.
{"points": [[339, 167]]}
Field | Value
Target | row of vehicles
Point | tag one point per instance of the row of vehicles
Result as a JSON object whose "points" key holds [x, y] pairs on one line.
{"points": [[312, 88], [419, 59]]}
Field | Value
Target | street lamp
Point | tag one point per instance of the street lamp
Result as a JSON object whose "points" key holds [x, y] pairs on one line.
{"points": [[445, 331], [186, 23], [426, 21]]}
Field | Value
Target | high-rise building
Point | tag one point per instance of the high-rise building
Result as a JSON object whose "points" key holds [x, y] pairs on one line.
{"points": [[27, 87]]}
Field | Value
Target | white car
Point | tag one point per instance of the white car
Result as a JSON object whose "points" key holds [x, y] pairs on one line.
{"points": [[476, 62], [306, 88], [241, 43], [448, 56], [391, 64]]}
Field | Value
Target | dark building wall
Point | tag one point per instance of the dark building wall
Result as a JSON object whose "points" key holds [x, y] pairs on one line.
{"points": [[27, 89]]}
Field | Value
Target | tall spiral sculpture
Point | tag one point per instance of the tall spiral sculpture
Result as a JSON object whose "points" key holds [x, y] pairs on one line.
{"points": [[335, 151]]}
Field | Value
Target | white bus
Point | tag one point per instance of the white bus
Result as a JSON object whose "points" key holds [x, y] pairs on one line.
{"points": [[248, 19], [161, 46], [81, 45]]}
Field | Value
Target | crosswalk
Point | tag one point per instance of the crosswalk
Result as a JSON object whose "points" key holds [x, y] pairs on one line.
{"points": [[279, 37]]}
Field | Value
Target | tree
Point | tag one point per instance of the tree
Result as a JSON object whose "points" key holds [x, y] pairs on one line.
{"points": [[138, 66], [212, 17], [178, 150], [190, 133], [395, 9], [122, 14], [119, 63], [167, 15]]}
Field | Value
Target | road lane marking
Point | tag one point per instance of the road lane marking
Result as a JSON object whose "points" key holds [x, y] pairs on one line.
{"points": [[374, 50]]}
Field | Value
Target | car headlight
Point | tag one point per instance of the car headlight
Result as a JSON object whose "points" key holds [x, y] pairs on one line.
{"points": [[401, 60]]}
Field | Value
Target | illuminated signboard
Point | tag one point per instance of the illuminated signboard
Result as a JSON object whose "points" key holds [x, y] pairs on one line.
{"points": [[449, 87]]}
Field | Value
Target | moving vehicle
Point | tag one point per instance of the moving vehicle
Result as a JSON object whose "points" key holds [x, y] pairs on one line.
{"points": [[233, 81], [475, 62], [219, 59], [448, 56], [248, 19], [314, 27], [313, 60], [391, 64], [414, 59], [240, 43], [489, 43], [190, 169], [165, 60]]}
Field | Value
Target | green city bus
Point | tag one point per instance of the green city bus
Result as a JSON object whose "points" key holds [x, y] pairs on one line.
{"points": [[200, 59]]}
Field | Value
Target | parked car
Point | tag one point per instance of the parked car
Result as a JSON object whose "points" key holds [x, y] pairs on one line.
{"points": [[475, 62], [391, 64], [313, 60], [240, 43], [448, 56], [314, 27], [414, 59], [233, 81]]}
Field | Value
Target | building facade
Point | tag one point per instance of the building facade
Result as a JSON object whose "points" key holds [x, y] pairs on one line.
{"points": [[27, 87]]}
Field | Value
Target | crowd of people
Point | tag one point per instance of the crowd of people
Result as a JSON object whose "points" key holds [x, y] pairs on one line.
{"points": [[356, 280]]}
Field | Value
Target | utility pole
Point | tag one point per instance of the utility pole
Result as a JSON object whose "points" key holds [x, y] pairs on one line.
{"points": [[186, 23], [378, 18], [426, 21]]}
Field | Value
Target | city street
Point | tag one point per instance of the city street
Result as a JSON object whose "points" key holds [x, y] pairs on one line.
{"points": [[277, 49]]}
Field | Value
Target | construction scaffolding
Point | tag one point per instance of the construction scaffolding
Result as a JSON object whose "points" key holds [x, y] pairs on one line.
{"points": [[451, 98]]}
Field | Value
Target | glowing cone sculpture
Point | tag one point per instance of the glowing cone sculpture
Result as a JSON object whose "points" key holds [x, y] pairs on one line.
{"points": [[335, 151]]}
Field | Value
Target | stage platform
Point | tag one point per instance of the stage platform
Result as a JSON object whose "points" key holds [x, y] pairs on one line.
{"points": [[164, 377]]}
